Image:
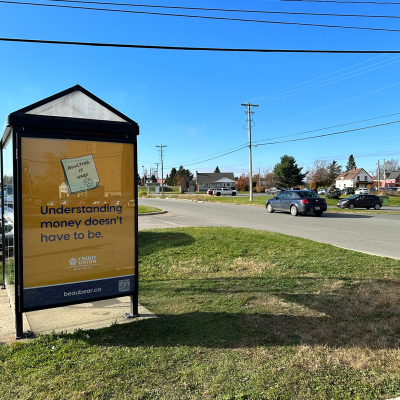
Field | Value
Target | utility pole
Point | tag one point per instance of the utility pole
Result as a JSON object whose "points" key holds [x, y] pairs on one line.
{"points": [[384, 172], [379, 177], [249, 113], [162, 169]]}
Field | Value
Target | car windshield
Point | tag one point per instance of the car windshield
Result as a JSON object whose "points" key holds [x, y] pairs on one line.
{"points": [[305, 194]]}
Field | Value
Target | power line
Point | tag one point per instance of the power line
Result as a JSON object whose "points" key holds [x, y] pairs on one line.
{"points": [[326, 82], [222, 9], [300, 133], [202, 16], [142, 46], [328, 134], [346, 2]]}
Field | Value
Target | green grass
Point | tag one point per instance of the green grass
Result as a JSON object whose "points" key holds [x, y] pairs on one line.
{"points": [[146, 209], [242, 314]]}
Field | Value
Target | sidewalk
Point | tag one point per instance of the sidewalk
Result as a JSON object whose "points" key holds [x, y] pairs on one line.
{"points": [[99, 314]]}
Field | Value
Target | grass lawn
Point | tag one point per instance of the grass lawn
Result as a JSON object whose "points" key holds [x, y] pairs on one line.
{"points": [[243, 314], [146, 209]]}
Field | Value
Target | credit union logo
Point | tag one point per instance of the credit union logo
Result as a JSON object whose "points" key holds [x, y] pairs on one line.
{"points": [[81, 263], [73, 261]]}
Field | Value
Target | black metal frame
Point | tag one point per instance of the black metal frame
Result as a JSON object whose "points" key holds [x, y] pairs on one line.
{"points": [[21, 125]]}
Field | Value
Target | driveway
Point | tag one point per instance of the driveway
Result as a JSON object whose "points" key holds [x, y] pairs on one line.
{"points": [[369, 233]]}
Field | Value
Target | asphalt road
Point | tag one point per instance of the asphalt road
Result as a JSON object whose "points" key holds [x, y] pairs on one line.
{"points": [[377, 234]]}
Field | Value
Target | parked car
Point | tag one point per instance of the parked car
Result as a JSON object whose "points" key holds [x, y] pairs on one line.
{"points": [[297, 202], [273, 191], [295, 188], [225, 192], [362, 191], [361, 201], [322, 191], [210, 191]]}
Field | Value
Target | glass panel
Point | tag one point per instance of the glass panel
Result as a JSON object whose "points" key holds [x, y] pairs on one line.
{"points": [[8, 214], [76, 105], [78, 220]]}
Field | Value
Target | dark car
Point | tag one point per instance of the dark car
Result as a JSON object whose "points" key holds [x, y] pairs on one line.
{"points": [[348, 190], [361, 201], [297, 202]]}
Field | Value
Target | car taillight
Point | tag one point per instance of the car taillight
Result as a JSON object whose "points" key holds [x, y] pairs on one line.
{"points": [[305, 201], [324, 201]]}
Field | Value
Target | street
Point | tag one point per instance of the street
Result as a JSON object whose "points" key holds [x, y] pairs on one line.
{"points": [[369, 233]]}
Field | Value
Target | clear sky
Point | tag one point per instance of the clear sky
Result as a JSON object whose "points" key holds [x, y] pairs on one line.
{"points": [[190, 101]]}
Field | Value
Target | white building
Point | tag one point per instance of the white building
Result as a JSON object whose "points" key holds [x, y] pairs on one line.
{"points": [[357, 178]]}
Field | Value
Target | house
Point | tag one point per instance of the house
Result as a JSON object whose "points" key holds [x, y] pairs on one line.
{"points": [[357, 178], [389, 179], [214, 180]]}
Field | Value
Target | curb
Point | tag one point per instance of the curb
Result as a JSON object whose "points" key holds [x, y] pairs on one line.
{"points": [[153, 213]]}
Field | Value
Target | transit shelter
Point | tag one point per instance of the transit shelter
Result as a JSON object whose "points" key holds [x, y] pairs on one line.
{"points": [[67, 237]]}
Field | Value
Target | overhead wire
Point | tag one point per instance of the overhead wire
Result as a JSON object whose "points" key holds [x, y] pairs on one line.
{"points": [[257, 143], [222, 9], [326, 81], [345, 2], [333, 105], [199, 16], [329, 134], [328, 127], [185, 48]]}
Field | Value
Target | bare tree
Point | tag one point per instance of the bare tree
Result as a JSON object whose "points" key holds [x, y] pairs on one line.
{"points": [[319, 173]]}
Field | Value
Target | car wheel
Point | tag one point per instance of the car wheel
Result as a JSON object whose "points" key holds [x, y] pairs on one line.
{"points": [[377, 206], [318, 213], [351, 206], [270, 208], [218, 194], [233, 194], [293, 211]]}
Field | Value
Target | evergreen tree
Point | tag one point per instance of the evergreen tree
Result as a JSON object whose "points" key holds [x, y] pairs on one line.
{"points": [[217, 170], [333, 171], [171, 179], [351, 164], [287, 172]]}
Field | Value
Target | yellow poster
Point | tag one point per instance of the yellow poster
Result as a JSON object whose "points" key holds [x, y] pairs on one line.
{"points": [[78, 220]]}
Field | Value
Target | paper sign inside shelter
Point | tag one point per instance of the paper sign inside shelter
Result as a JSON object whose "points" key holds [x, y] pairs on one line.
{"points": [[80, 174]]}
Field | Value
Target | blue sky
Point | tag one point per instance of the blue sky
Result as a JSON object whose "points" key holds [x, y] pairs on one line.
{"points": [[190, 101]]}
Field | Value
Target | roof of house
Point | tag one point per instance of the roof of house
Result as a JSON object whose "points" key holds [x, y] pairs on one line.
{"points": [[351, 173], [393, 174], [212, 177]]}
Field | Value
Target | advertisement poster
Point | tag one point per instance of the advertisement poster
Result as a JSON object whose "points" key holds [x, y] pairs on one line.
{"points": [[78, 221]]}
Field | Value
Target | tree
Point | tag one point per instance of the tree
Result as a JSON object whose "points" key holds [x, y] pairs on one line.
{"points": [[288, 173], [183, 177], [171, 179], [390, 165], [351, 164], [334, 170], [153, 179], [319, 173], [242, 183], [217, 170]]}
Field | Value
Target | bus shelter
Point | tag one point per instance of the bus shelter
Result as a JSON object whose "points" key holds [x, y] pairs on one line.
{"points": [[68, 195]]}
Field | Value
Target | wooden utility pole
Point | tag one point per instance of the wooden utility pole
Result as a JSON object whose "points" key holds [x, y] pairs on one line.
{"points": [[162, 170], [249, 113]]}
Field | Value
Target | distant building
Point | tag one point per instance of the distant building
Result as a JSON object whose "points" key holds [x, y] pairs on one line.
{"points": [[391, 178], [357, 178], [214, 180]]}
